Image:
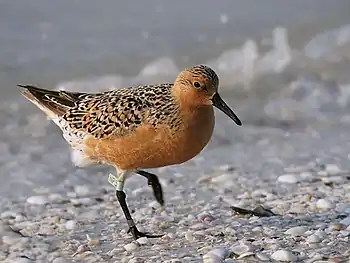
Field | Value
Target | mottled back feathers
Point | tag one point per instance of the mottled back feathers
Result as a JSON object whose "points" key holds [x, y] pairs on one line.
{"points": [[116, 112], [121, 111]]}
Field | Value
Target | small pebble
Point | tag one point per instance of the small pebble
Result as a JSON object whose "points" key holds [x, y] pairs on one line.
{"points": [[81, 249], [306, 176], [210, 258], [154, 204], [198, 226], [343, 208], [142, 241], [82, 201], [337, 179], [189, 236], [115, 252], [314, 256], [56, 198], [289, 178], [241, 248], [345, 221], [8, 214], [71, 194], [37, 200], [332, 169], [70, 224], [225, 178], [245, 255], [282, 255], [226, 168], [170, 235], [345, 233], [230, 230], [163, 218], [336, 227], [204, 180], [92, 242], [216, 255], [262, 256], [136, 260], [206, 218], [178, 175], [47, 230], [324, 204], [321, 234], [220, 252], [131, 246], [82, 190], [313, 239], [296, 231]]}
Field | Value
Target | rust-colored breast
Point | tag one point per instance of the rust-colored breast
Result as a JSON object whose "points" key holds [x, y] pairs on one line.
{"points": [[152, 147]]}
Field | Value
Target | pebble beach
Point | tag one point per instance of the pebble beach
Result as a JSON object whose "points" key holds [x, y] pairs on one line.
{"points": [[309, 197]]}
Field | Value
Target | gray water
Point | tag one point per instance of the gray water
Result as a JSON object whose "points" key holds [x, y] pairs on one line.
{"points": [[45, 42]]}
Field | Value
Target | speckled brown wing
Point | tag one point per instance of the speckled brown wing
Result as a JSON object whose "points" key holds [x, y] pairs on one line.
{"points": [[111, 113], [53, 102]]}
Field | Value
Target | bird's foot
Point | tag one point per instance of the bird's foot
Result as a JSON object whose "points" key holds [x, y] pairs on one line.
{"points": [[137, 234]]}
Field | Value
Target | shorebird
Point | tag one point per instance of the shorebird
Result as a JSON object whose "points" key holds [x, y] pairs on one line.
{"points": [[138, 127]]}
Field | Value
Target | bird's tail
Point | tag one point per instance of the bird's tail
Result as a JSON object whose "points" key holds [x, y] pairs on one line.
{"points": [[53, 103]]}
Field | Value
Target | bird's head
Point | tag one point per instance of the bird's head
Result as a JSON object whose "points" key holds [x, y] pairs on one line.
{"points": [[198, 87]]}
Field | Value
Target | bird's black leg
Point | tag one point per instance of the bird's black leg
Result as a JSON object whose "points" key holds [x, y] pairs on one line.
{"points": [[155, 184], [132, 228], [118, 183]]}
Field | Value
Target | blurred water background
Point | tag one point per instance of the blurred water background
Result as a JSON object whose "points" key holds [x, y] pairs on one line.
{"points": [[280, 62], [89, 45]]}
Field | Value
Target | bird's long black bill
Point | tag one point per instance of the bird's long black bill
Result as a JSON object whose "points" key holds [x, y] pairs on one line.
{"points": [[221, 105]]}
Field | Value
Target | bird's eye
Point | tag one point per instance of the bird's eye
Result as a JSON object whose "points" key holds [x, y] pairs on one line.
{"points": [[196, 84]]}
